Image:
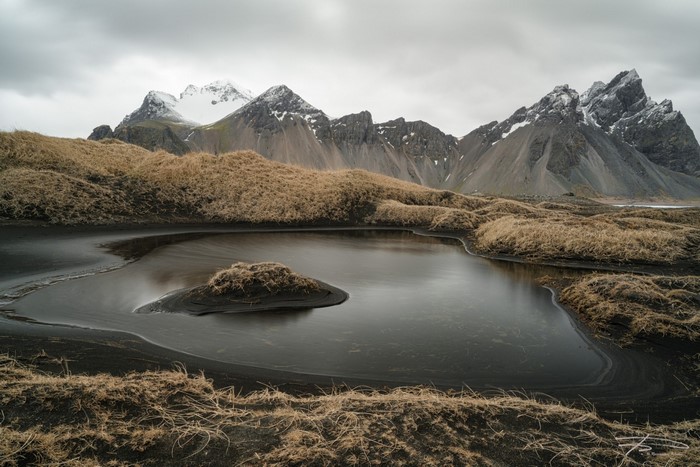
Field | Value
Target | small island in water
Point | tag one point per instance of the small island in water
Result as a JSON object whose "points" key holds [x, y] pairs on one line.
{"points": [[249, 287]]}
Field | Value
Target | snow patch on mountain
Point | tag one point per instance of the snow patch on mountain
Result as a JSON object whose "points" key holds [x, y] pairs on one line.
{"points": [[513, 128], [196, 105], [211, 102]]}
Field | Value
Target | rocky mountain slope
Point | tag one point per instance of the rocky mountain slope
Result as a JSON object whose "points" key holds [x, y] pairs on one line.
{"points": [[565, 143], [622, 108], [612, 140]]}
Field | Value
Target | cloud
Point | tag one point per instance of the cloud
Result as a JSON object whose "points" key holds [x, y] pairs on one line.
{"points": [[456, 64]]}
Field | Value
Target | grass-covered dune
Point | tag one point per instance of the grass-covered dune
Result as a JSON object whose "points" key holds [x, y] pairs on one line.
{"points": [[73, 181]]}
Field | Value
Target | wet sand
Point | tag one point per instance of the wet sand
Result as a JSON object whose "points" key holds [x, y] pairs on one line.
{"points": [[639, 386]]}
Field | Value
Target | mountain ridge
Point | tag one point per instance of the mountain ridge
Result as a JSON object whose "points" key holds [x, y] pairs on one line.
{"points": [[611, 140]]}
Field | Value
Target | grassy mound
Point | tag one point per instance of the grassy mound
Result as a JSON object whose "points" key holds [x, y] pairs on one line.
{"points": [[643, 305], [86, 182], [245, 279], [156, 417], [599, 239]]}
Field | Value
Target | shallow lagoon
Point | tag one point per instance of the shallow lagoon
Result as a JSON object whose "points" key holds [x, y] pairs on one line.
{"points": [[421, 310]]}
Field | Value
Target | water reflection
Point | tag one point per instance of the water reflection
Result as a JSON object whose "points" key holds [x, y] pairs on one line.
{"points": [[421, 310]]}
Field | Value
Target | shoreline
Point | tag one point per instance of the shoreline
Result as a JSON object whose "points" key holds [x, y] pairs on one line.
{"points": [[664, 399]]}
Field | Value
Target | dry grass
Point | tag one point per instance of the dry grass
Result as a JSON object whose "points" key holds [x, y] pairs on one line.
{"points": [[684, 216], [246, 279], [64, 199], [87, 182], [435, 217], [590, 239], [102, 182], [155, 417], [643, 305]]}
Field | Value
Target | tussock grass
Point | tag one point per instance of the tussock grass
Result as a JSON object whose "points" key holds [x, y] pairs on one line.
{"points": [[67, 181], [234, 187], [157, 416], [684, 216], [65, 199], [591, 239], [435, 217], [643, 305], [501, 207], [248, 279]]}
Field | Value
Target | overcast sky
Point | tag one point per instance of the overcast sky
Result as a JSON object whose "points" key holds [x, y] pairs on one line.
{"points": [[67, 66]]}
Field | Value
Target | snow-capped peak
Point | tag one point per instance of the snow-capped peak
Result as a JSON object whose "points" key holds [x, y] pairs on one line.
{"points": [[213, 101], [195, 106], [156, 106]]}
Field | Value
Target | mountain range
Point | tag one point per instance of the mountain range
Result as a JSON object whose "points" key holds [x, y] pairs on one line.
{"points": [[611, 140]]}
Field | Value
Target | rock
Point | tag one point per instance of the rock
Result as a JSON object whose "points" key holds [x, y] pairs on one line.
{"points": [[101, 132], [354, 129], [623, 109], [418, 139], [152, 137]]}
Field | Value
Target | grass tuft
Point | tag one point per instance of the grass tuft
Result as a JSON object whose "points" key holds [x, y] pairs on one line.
{"points": [[245, 279], [642, 305], [590, 239]]}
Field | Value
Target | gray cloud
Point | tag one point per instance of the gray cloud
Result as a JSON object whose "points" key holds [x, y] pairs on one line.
{"points": [[456, 64]]}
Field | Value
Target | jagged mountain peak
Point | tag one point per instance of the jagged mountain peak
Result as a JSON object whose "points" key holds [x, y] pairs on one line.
{"points": [[624, 95], [279, 103], [622, 108], [625, 78], [282, 99], [156, 105], [562, 104]]}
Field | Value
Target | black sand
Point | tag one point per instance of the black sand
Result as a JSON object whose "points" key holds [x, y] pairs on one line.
{"points": [[661, 399]]}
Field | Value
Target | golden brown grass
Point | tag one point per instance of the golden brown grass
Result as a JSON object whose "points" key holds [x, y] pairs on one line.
{"points": [[170, 416], [590, 239], [67, 181], [643, 305], [249, 278], [107, 181], [392, 212]]}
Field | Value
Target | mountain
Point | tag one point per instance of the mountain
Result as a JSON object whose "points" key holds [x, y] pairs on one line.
{"points": [[283, 127], [622, 108], [195, 106], [163, 121], [612, 140]]}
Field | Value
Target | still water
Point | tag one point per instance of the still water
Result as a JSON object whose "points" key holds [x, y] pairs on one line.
{"points": [[421, 310]]}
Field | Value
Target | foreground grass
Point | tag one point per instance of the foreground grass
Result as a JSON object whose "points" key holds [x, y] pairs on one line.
{"points": [[155, 416]]}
